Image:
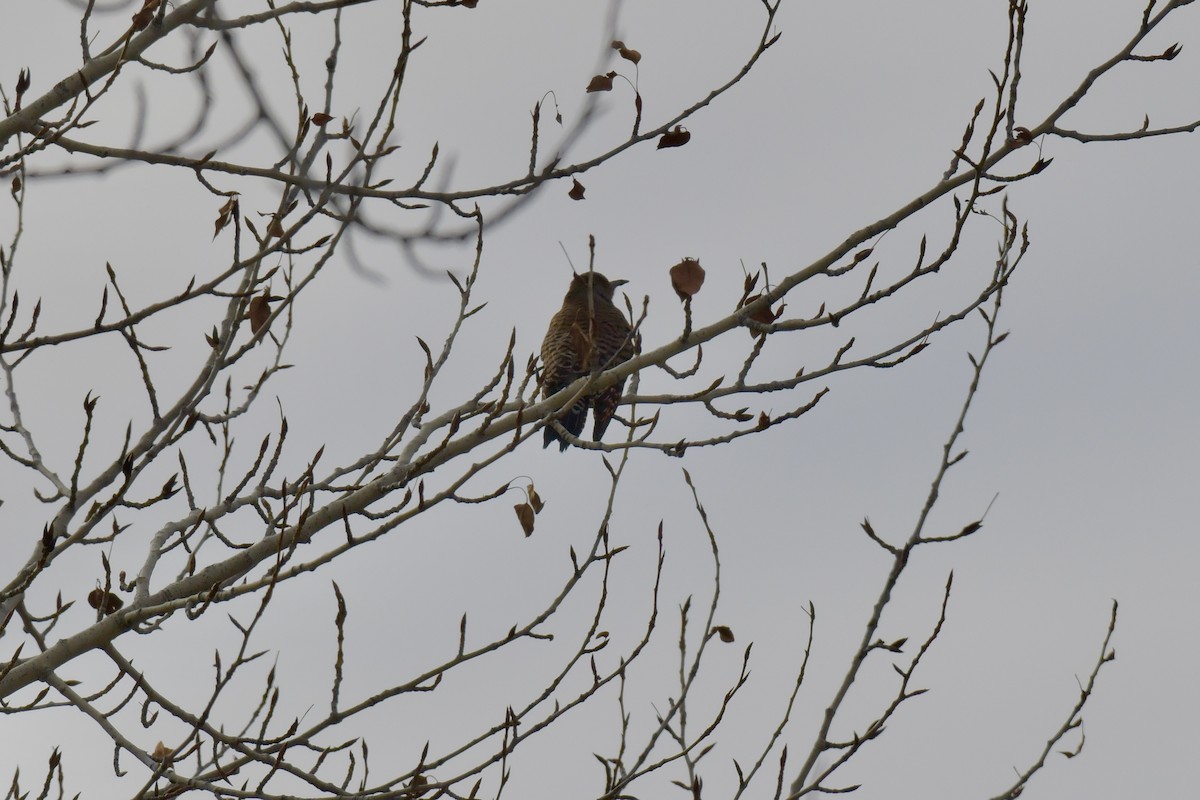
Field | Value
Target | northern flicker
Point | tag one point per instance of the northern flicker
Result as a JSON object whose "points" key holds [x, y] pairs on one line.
{"points": [[588, 334]]}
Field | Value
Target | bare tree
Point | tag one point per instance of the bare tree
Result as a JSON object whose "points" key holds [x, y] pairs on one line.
{"points": [[193, 520]]}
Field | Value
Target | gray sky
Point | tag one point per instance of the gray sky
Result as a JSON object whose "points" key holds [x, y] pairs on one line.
{"points": [[1084, 431]]}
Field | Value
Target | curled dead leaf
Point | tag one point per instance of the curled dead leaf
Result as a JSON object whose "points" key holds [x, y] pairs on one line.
{"points": [[764, 315], [675, 137], [535, 500], [626, 53], [577, 190], [724, 632], [601, 83], [687, 277], [525, 514], [224, 215]]}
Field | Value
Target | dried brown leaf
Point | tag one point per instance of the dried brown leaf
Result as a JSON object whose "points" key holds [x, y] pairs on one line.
{"points": [[525, 515], [535, 500], [687, 277], [675, 137], [626, 53], [725, 632], [764, 315], [601, 83], [224, 215]]}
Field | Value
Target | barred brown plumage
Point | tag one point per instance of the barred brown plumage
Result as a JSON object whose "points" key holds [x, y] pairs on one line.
{"points": [[588, 334]]}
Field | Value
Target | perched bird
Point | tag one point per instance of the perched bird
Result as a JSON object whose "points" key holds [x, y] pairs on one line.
{"points": [[588, 334]]}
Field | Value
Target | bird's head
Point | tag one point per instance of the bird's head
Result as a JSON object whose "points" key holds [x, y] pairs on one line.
{"points": [[595, 284]]}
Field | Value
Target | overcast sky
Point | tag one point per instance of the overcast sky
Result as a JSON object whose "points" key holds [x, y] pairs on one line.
{"points": [[1084, 432]]}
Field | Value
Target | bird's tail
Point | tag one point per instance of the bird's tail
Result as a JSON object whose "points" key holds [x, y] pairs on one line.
{"points": [[573, 421]]}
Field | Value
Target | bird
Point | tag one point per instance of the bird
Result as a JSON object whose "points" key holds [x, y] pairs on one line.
{"points": [[589, 334]]}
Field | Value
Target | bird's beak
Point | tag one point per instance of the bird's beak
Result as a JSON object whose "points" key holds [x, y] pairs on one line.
{"points": [[615, 284]]}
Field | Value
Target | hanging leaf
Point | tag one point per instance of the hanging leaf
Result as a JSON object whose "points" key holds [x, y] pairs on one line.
{"points": [[224, 215], [725, 632], [676, 137], [626, 53], [577, 190], [601, 83], [525, 514]]}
